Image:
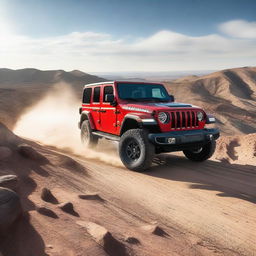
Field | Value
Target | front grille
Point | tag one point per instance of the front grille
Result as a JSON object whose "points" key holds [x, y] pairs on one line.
{"points": [[184, 119]]}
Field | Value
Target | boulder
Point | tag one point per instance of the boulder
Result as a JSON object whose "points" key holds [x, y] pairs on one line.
{"points": [[5, 152], [132, 240], [29, 152], [47, 196], [47, 212], [104, 238], [68, 208], [9, 181], [155, 230], [91, 196], [10, 208]]}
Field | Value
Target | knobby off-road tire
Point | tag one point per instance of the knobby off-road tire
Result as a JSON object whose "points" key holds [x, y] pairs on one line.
{"points": [[135, 150], [87, 138], [203, 153]]}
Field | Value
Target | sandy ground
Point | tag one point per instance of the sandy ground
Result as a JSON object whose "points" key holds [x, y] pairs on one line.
{"points": [[204, 208]]}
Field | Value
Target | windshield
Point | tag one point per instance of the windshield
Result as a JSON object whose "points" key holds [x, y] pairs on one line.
{"points": [[138, 92]]}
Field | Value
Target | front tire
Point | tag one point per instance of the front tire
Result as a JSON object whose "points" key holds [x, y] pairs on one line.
{"points": [[88, 139], [135, 150], [201, 154]]}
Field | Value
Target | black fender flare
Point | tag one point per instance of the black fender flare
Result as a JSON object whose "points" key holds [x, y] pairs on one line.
{"points": [[153, 126], [86, 115]]}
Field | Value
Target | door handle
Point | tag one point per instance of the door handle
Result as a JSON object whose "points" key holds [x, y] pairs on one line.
{"points": [[102, 111]]}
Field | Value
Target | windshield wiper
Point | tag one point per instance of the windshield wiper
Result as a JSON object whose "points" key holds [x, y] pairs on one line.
{"points": [[146, 99], [155, 98], [133, 99]]}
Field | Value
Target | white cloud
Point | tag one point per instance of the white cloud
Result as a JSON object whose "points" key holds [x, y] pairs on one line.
{"points": [[162, 51], [239, 29]]}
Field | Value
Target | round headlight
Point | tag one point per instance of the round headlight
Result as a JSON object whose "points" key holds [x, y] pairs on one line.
{"points": [[200, 116], [163, 117]]}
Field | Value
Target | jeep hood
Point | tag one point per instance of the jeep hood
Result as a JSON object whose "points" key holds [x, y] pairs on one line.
{"points": [[158, 105], [172, 105]]}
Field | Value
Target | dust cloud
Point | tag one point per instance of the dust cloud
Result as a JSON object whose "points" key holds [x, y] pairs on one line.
{"points": [[54, 121]]}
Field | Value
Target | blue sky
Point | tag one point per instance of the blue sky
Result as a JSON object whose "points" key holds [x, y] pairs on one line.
{"points": [[142, 35]]}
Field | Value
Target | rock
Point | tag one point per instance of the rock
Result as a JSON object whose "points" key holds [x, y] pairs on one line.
{"points": [[47, 196], [132, 240], [10, 208], [68, 208], [5, 152], [104, 238], [47, 212], [29, 152], [92, 196], [9, 181], [70, 163], [98, 232], [155, 229]]}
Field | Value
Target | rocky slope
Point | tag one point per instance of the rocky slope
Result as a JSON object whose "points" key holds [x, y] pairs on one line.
{"points": [[228, 94]]}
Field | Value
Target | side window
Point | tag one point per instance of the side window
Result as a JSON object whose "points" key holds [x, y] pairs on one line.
{"points": [[107, 90], [157, 93], [96, 94], [87, 95]]}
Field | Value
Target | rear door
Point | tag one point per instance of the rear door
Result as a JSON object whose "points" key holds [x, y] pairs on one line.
{"points": [[108, 116], [95, 112]]}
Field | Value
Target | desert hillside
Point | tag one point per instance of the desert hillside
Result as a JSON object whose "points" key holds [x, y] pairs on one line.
{"points": [[58, 198], [20, 89], [228, 94]]}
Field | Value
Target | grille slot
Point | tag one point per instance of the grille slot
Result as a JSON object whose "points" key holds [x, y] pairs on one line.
{"points": [[173, 120], [193, 119], [178, 120], [184, 119]]}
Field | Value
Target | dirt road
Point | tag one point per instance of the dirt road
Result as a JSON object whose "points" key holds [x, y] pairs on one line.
{"points": [[178, 208], [208, 207]]}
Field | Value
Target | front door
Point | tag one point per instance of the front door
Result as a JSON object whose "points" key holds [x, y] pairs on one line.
{"points": [[108, 117]]}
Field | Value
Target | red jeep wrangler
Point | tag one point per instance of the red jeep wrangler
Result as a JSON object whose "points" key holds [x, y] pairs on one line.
{"points": [[145, 120]]}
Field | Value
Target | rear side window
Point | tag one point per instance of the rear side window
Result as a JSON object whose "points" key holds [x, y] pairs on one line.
{"points": [[87, 95], [96, 94], [107, 90]]}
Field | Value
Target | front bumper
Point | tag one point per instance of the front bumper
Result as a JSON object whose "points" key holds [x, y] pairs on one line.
{"points": [[179, 138]]}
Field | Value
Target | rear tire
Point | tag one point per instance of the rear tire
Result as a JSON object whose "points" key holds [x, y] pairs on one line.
{"points": [[135, 150], [87, 138], [201, 154]]}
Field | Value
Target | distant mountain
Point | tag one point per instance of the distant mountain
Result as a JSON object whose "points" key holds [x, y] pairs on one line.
{"points": [[30, 75], [151, 76], [229, 94], [19, 89]]}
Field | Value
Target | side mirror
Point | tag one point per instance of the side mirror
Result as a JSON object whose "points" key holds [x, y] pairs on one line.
{"points": [[109, 98], [172, 98]]}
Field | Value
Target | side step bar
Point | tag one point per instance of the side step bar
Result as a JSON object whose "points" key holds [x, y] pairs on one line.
{"points": [[106, 136]]}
